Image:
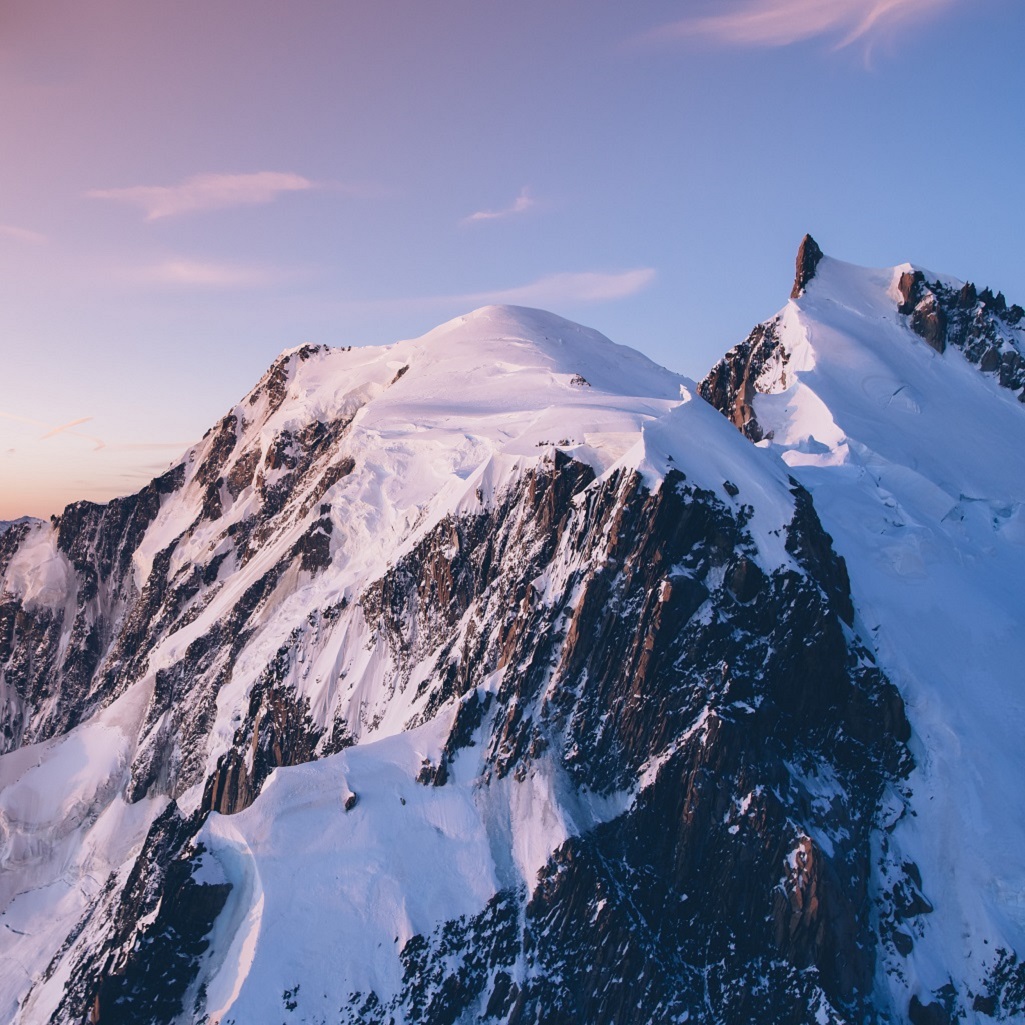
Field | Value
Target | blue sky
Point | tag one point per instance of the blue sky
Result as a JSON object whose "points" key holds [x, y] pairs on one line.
{"points": [[189, 188]]}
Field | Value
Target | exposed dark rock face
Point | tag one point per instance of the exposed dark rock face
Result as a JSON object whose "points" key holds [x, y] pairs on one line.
{"points": [[278, 730], [909, 286], [274, 384], [731, 384], [929, 320], [314, 547], [158, 921], [978, 323], [808, 257], [29, 641], [813, 547], [1003, 992], [937, 1012], [51, 683]]}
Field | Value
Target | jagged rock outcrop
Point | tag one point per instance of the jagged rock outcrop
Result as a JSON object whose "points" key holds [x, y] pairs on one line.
{"points": [[978, 323], [808, 256], [731, 385]]}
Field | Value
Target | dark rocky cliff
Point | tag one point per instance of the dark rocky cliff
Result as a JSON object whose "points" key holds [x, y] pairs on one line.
{"points": [[978, 323], [731, 385]]}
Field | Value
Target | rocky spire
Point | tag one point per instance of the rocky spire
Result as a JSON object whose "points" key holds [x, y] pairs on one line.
{"points": [[808, 256]]}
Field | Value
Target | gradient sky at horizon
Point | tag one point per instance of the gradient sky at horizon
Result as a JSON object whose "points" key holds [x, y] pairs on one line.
{"points": [[190, 188]]}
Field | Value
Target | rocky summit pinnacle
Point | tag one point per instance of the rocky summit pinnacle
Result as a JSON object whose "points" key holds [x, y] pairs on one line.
{"points": [[808, 256]]}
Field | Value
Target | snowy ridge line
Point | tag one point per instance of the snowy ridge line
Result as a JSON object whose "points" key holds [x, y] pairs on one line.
{"points": [[895, 397]]}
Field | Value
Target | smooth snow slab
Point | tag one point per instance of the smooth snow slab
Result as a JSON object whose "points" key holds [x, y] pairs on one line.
{"points": [[916, 461], [334, 893]]}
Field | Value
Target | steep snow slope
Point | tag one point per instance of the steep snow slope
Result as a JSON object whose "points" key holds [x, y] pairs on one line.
{"points": [[908, 430], [485, 674]]}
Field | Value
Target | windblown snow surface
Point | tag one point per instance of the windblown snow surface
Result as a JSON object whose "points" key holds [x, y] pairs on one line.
{"points": [[916, 462], [440, 425]]}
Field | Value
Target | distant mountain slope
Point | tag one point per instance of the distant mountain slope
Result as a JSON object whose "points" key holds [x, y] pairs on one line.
{"points": [[896, 396], [486, 676], [7, 524]]}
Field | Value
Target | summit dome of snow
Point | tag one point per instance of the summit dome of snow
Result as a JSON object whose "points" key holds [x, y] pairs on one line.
{"points": [[499, 371]]}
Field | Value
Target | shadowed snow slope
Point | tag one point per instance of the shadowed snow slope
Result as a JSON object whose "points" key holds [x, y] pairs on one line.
{"points": [[901, 414]]}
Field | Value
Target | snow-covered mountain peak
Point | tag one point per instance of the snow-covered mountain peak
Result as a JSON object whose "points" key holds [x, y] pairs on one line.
{"points": [[870, 291], [822, 378], [508, 352], [410, 432], [515, 378], [895, 395]]}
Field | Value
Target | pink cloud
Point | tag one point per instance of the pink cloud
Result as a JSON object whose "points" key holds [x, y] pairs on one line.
{"points": [[205, 274], [553, 290], [22, 234], [772, 23], [570, 287], [521, 204], [66, 427], [52, 431], [206, 192]]}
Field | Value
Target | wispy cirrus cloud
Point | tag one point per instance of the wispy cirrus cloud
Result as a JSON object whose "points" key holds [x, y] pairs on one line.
{"points": [[204, 192], [521, 204], [579, 287], [583, 287], [53, 430], [205, 274], [552, 290], [35, 238], [774, 23]]}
